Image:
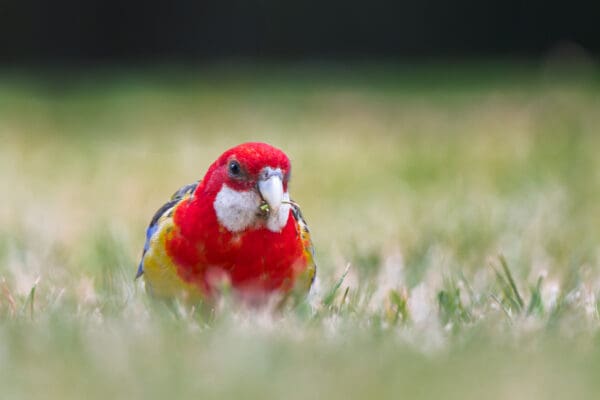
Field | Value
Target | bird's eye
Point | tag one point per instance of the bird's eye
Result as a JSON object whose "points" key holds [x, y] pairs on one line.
{"points": [[234, 168]]}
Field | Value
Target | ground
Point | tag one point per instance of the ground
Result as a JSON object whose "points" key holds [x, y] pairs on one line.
{"points": [[454, 211]]}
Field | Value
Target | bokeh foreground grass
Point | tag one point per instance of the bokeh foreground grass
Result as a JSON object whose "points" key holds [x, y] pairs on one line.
{"points": [[464, 200]]}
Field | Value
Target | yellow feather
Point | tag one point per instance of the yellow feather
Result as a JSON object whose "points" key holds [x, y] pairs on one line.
{"points": [[160, 273]]}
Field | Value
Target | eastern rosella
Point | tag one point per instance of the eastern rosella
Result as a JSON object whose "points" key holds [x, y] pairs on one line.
{"points": [[237, 225]]}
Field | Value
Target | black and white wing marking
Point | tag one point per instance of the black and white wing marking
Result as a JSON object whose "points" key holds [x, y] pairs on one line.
{"points": [[165, 210]]}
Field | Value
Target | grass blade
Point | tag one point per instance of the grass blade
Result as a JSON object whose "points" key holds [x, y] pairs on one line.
{"points": [[511, 281], [328, 300]]}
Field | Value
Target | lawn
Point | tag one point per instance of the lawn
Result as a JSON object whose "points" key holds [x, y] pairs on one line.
{"points": [[454, 210]]}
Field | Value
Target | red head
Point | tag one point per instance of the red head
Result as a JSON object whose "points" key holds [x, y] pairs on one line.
{"points": [[241, 167], [246, 177]]}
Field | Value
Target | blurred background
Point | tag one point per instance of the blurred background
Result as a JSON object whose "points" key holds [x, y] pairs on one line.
{"points": [[35, 31], [427, 138], [387, 96]]}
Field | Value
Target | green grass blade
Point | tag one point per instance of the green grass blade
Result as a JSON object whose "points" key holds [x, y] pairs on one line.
{"points": [[328, 300], [511, 281]]}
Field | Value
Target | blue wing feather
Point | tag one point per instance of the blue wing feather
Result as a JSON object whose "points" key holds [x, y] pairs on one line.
{"points": [[165, 209]]}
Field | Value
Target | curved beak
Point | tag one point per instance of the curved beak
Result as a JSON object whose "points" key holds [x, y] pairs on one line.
{"points": [[270, 186]]}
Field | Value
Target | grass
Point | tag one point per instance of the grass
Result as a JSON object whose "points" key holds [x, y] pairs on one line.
{"points": [[454, 211]]}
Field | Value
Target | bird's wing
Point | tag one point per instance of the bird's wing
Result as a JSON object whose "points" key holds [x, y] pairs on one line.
{"points": [[308, 277], [163, 213]]}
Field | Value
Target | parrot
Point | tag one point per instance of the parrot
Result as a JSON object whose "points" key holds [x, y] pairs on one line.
{"points": [[237, 228]]}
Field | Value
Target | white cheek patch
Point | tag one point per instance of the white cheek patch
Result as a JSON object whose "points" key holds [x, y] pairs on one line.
{"points": [[238, 210]]}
